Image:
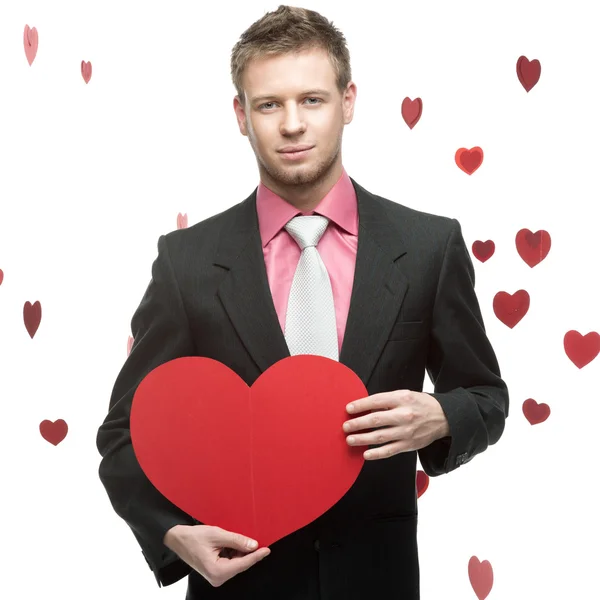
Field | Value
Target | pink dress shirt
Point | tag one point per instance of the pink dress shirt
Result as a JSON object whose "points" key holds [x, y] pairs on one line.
{"points": [[337, 247]]}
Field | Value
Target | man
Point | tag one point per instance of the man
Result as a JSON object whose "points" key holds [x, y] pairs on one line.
{"points": [[395, 293]]}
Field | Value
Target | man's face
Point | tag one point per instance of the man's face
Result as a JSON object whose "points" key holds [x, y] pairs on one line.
{"points": [[291, 117]]}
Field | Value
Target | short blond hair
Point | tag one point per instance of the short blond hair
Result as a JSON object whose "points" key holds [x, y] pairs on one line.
{"points": [[290, 29]]}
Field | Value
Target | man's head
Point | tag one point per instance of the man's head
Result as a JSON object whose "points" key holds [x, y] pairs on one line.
{"points": [[280, 57]]}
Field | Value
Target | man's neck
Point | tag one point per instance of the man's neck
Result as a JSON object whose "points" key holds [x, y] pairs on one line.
{"points": [[305, 197]]}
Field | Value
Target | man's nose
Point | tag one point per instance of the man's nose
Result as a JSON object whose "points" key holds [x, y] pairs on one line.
{"points": [[292, 122]]}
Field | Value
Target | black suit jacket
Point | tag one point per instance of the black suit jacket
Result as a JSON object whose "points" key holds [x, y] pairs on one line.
{"points": [[413, 309]]}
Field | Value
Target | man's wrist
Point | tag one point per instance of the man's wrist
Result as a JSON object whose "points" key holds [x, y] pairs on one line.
{"points": [[172, 535]]}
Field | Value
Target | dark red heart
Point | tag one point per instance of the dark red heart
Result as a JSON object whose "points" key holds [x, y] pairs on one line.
{"points": [[32, 316], [510, 309], [482, 251], [528, 72], [54, 431], [262, 461], [535, 413]]}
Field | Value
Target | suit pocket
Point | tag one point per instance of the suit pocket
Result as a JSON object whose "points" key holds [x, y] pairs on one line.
{"points": [[407, 330]]}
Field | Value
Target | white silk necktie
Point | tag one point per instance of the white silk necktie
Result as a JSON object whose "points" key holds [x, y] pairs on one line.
{"points": [[310, 324]]}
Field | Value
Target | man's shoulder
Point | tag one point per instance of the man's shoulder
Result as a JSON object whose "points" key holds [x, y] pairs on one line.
{"points": [[412, 222]]}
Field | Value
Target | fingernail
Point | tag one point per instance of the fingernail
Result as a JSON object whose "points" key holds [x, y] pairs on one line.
{"points": [[252, 544]]}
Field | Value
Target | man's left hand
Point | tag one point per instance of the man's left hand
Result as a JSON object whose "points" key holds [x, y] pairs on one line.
{"points": [[408, 421]]}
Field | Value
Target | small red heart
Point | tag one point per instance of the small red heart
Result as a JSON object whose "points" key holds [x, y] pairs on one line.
{"points": [[483, 250], [535, 413], [182, 221], [469, 160], [411, 111], [54, 432], [581, 349], [528, 72], [533, 247], [422, 483], [262, 461], [1, 276], [510, 309], [481, 576], [32, 315], [86, 71]]}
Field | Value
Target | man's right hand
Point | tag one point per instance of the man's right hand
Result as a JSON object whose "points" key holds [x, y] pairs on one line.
{"points": [[201, 547]]}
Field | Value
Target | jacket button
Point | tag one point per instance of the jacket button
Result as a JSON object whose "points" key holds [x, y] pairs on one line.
{"points": [[317, 545]]}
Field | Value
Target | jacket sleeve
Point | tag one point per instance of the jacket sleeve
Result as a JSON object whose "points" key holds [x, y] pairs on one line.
{"points": [[161, 333], [462, 366]]}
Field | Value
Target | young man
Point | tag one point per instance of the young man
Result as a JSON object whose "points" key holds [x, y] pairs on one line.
{"points": [[394, 290]]}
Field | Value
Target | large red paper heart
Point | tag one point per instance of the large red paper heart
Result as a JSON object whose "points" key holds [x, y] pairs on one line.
{"points": [[262, 461]]}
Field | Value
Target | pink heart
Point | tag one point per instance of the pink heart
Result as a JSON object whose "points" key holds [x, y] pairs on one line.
{"points": [[30, 41], [86, 71]]}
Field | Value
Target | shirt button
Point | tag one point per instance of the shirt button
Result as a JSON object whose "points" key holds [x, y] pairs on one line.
{"points": [[317, 545]]}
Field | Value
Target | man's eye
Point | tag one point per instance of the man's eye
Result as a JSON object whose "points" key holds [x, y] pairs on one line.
{"points": [[310, 98]]}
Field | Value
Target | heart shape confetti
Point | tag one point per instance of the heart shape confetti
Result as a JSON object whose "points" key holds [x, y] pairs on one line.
{"points": [[533, 247], [481, 576], [412, 111], [482, 251], [535, 413], [581, 349], [469, 160], [528, 72], [510, 309]]}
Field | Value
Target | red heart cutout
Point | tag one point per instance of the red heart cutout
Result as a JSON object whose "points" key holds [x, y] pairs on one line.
{"points": [[580, 349], [469, 160], [262, 461], [411, 111], [535, 413], [481, 577], [533, 247], [54, 432], [32, 316], [528, 72], [422, 483], [511, 309], [483, 250]]}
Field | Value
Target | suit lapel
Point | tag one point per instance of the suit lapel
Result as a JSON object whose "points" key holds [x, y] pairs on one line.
{"points": [[378, 289]]}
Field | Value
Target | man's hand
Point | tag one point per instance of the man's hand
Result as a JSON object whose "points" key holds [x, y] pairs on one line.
{"points": [[408, 420], [216, 554]]}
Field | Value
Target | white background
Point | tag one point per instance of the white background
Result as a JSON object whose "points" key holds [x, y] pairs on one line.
{"points": [[91, 175]]}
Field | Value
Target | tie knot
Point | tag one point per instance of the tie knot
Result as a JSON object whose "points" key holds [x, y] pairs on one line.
{"points": [[307, 230]]}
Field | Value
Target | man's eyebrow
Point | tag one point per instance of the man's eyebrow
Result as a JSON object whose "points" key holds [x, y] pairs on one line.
{"points": [[316, 92]]}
